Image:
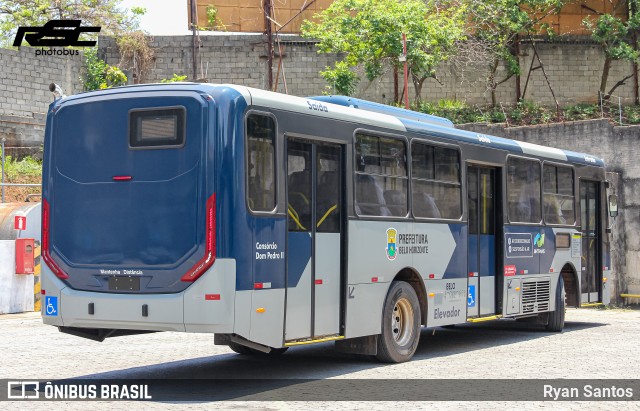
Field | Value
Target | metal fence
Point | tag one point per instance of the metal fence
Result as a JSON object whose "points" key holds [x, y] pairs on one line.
{"points": [[620, 110]]}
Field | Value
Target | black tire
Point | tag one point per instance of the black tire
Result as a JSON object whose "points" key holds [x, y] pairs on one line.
{"points": [[555, 320], [244, 350], [400, 324]]}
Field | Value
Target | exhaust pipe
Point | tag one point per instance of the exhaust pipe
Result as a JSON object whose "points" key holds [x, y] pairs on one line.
{"points": [[57, 91]]}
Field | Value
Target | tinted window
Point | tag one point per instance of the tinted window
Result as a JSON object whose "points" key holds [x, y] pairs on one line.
{"points": [[300, 183], [435, 181], [157, 127], [261, 134], [328, 189], [558, 195], [381, 176], [523, 190]]}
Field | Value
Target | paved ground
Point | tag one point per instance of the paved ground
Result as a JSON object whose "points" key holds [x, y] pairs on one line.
{"points": [[596, 344]]}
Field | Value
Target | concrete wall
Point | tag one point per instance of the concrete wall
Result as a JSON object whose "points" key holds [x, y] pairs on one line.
{"points": [[620, 149], [573, 68], [25, 96]]}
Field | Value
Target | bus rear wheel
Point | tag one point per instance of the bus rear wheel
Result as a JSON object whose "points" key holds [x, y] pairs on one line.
{"points": [[555, 320], [400, 324], [244, 350]]}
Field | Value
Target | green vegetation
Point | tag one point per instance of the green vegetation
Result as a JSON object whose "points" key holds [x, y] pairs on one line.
{"points": [[524, 113], [26, 171], [99, 75], [173, 79], [615, 38], [341, 78], [368, 34], [214, 22], [28, 166], [497, 26]]}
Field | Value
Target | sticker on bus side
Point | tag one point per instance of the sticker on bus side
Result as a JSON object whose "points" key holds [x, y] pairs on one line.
{"points": [[51, 306], [471, 299], [518, 245]]}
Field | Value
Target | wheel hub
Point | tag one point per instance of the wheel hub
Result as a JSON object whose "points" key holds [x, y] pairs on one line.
{"points": [[402, 321]]}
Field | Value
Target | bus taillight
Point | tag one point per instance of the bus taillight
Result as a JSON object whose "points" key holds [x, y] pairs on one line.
{"points": [[46, 255], [210, 250]]}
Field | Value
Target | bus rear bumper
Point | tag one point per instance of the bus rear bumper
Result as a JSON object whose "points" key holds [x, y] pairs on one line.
{"points": [[206, 306]]}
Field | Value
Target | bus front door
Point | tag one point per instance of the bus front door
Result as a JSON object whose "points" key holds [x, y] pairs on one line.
{"points": [[314, 241], [591, 275], [481, 195]]}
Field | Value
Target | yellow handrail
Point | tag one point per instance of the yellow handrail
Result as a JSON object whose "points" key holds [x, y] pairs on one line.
{"points": [[329, 211], [294, 216]]}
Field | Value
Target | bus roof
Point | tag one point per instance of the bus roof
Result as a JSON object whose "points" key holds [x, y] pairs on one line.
{"points": [[361, 111], [432, 125]]}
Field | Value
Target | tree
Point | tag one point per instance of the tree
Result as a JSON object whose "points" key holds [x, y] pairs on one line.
{"points": [[367, 33], [615, 38], [498, 25], [104, 13], [99, 75]]}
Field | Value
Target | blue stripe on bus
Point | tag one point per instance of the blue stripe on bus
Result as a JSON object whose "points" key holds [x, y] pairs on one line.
{"points": [[487, 265], [457, 267], [299, 255]]}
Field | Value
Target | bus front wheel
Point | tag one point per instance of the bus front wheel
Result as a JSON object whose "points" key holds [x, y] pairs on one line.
{"points": [[400, 324]]}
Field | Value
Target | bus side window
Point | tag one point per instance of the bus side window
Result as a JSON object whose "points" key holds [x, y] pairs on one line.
{"points": [[558, 195], [381, 176], [261, 133], [523, 190], [435, 181]]}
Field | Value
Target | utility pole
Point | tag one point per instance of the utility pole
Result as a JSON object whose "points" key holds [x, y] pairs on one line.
{"points": [[266, 4], [406, 71], [194, 27]]}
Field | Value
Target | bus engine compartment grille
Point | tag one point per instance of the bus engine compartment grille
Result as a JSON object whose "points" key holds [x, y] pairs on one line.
{"points": [[535, 295]]}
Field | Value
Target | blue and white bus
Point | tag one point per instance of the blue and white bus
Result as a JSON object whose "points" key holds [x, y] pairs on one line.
{"points": [[274, 221]]}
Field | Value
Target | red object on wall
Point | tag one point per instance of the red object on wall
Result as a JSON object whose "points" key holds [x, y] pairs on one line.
{"points": [[20, 222], [24, 256]]}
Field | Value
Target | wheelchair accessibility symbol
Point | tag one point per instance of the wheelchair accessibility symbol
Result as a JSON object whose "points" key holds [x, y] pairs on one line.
{"points": [[471, 298], [51, 306]]}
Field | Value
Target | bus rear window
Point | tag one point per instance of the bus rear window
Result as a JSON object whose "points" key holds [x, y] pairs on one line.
{"points": [[161, 127]]}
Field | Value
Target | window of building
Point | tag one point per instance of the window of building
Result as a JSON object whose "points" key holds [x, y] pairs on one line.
{"points": [[261, 172], [381, 176], [435, 181]]}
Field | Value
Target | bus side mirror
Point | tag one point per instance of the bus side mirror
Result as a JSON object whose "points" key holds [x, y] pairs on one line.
{"points": [[613, 205]]}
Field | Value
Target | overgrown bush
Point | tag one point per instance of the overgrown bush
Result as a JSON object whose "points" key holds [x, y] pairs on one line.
{"points": [[28, 166]]}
